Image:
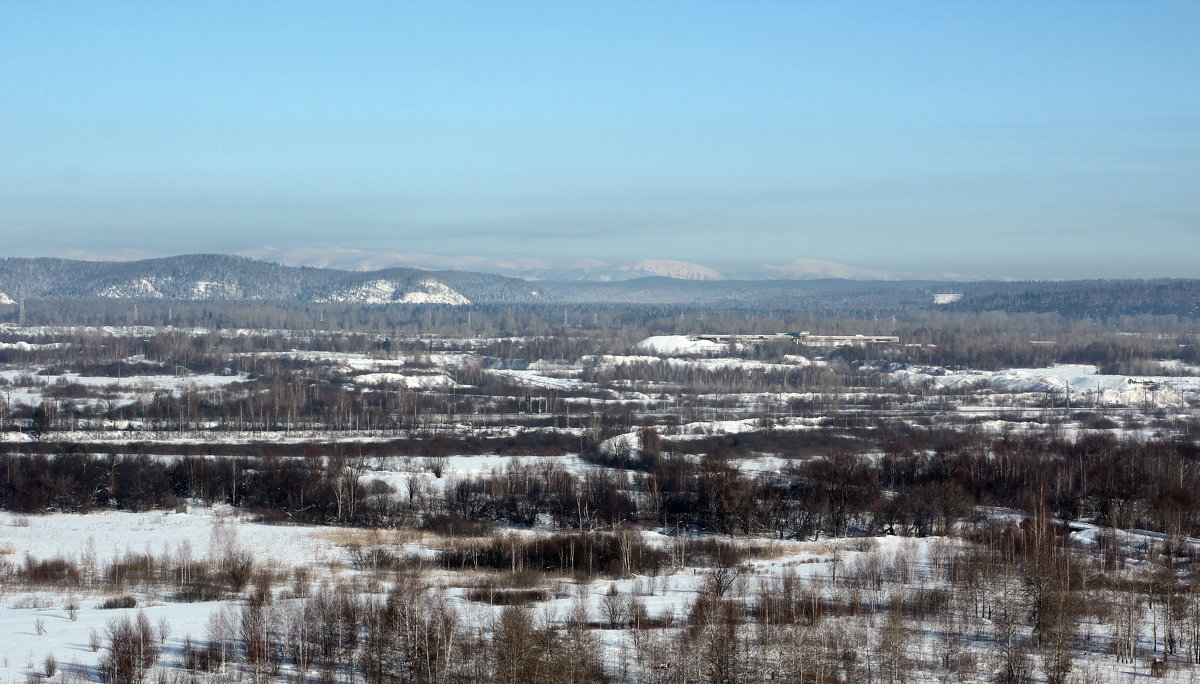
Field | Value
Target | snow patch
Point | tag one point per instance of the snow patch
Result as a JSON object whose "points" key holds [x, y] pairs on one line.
{"points": [[387, 292], [680, 344], [142, 288], [370, 292], [433, 292], [204, 289], [426, 382], [1082, 383], [669, 268], [26, 346]]}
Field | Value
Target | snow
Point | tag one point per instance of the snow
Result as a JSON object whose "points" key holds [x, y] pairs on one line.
{"points": [[142, 288], [433, 292], [610, 361], [1178, 367], [365, 362], [425, 382], [1082, 381], [370, 292], [103, 537], [680, 344], [126, 390], [381, 291], [5, 299], [24, 651], [669, 268], [22, 345], [536, 379], [111, 534], [629, 443], [203, 289]]}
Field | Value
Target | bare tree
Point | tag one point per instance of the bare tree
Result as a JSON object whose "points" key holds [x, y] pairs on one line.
{"points": [[132, 650]]}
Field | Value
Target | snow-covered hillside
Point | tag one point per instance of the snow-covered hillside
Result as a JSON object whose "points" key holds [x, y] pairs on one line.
{"points": [[669, 268], [142, 288], [389, 292]]}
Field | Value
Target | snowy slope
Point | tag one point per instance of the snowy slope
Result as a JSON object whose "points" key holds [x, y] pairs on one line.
{"points": [[382, 291], [668, 268]]}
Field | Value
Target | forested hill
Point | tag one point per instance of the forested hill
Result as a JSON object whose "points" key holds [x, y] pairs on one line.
{"points": [[215, 277], [1078, 299], [221, 278]]}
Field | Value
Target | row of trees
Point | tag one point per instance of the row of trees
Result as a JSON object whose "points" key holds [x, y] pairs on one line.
{"points": [[917, 487]]}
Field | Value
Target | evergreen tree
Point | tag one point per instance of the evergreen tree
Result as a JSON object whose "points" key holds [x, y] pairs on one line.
{"points": [[40, 423]]}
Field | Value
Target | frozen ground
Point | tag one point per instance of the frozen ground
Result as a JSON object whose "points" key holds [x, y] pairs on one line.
{"points": [[110, 534]]}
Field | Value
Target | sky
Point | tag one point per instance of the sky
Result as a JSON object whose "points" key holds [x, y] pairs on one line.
{"points": [[1023, 139]]}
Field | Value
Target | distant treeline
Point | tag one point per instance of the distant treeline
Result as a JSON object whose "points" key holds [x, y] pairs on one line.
{"points": [[257, 294]]}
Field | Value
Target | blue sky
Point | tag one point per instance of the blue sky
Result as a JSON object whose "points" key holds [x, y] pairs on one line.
{"points": [[1031, 139]]}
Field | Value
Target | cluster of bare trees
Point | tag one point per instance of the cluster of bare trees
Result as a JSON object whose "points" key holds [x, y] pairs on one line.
{"points": [[921, 484], [1010, 604]]}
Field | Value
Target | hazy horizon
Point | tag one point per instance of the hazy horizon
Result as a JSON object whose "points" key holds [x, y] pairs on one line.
{"points": [[1025, 140]]}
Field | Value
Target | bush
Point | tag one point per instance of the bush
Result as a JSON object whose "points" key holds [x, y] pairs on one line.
{"points": [[51, 571], [459, 526], [584, 553], [132, 650], [507, 597], [376, 558], [115, 602]]}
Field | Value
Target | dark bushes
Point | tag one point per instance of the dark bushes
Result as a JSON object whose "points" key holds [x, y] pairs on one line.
{"points": [[51, 571], [115, 602], [606, 553]]}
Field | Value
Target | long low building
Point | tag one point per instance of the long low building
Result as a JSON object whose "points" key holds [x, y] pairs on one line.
{"points": [[804, 338]]}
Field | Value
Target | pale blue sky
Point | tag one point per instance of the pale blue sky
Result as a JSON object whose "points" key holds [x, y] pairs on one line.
{"points": [[1040, 139]]}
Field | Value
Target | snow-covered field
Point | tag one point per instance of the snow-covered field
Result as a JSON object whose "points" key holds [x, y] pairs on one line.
{"points": [[37, 624]]}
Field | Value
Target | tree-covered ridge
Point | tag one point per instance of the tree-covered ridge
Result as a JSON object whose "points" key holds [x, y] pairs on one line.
{"points": [[222, 278], [217, 277]]}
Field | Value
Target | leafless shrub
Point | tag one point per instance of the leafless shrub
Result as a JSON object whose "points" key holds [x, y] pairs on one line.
{"points": [[300, 580], [116, 602], [55, 571], [507, 597], [39, 626], [721, 579], [376, 558], [132, 650], [435, 465], [614, 607], [50, 665]]}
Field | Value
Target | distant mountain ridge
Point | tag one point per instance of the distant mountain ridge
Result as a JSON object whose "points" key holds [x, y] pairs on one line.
{"points": [[223, 278], [592, 270], [218, 277]]}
